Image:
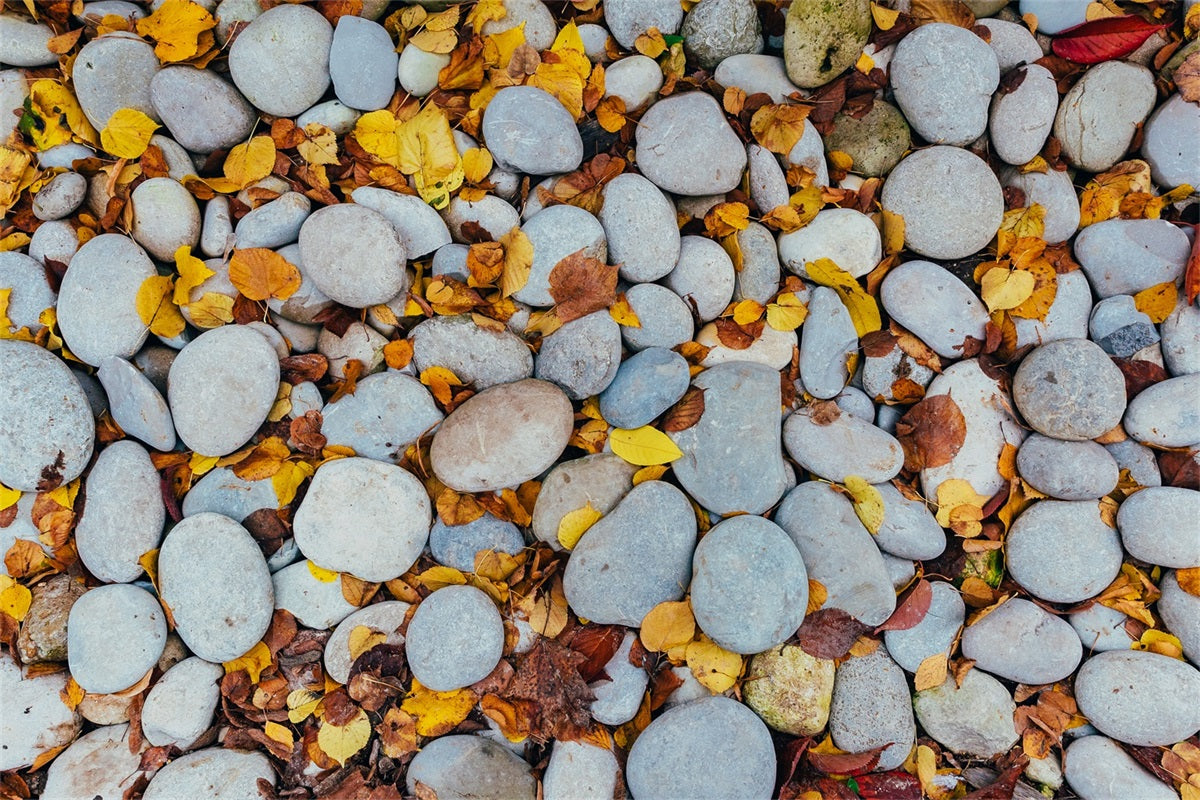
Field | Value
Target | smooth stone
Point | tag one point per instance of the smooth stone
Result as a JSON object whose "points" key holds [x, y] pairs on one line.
{"points": [[222, 385], [943, 77], [618, 698], [1012, 43], [280, 61], [418, 70], [47, 435], [529, 130], [1097, 768], [716, 29], [1020, 121], [685, 146], [202, 111], [1069, 389], [216, 229], [595, 41], [580, 771], [528, 424], [871, 708], [135, 404], [385, 618], [975, 718], [827, 346], [704, 277], [1124, 256], [1164, 143], [222, 492], [539, 26], [1101, 628], [1053, 191], [180, 706], [314, 600], [1063, 552], [275, 223], [909, 529], [1138, 459], [336, 236], [1165, 414], [63, 156], [1055, 16], [644, 545], [934, 634], [60, 197], [380, 535], [29, 290], [821, 39], [1180, 612], [712, 747], [115, 635], [124, 516], [1181, 339], [790, 690], [470, 768], [773, 348], [165, 217], [52, 241], [333, 115], [450, 261], [178, 159], [455, 638], [98, 764], [112, 72], [854, 401], [14, 88], [97, 311], [1067, 470], [1158, 526], [885, 373], [360, 342], [876, 142], [457, 546], [665, 319], [45, 724], [476, 355], [758, 279], [809, 153], [213, 577], [754, 73], [646, 385], [634, 79], [212, 774], [1068, 315], [419, 227], [1133, 696], [1021, 642], [1118, 327], [387, 412], [555, 233], [583, 356], [768, 184], [848, 238], [837, 551], [600, 480], [43, 634], [23, 44], [1099, 115], [629, 19], [493, 214], [846, 446], [362, 63], [928, 188]]}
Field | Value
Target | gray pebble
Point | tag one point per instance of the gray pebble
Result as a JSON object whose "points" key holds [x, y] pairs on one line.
{"points": [[418, 70], [703, 276], [1067, 470], [934, 634], [555, 233], [581, 357], [55, 240], [470, 767], [112, 72], [600, 480], [1099, 115], [665, 320], [420, 228], [1180, 612], [124, 516], [213, 773], [165, 217], [280, 61], [1124, 256], [1165, 414], [580, 771], [60, 197], [180, 706], [847, 237], [1063, 552], [846, 446], [829, 342], [336, 236], [476, 355], [23, 44], [529, 130], [1181, 339], [201, 110], [646, 385], [1101, 628], [457, 545], [97, 311], [1022, 642], [455, 638], [538, 22], [909, 529], [716, 29], [362, 63], [1067, 317], [387, 412], [1134, 697], [975, 718], [1158, 526], [275, 223], [871, 708], [385, 618], [222, 492], [685, 146], [115, 635], [1069, 389], [1097, 768], [1012, 43], [1053, 191], [135, 404], [754, 73], [315, 601], [618, 697], [1021, 120], [29, 290], [1118, 327], [635, 79], [758, 279], [97, 764], [1164, 145], [46, 723], [494, 214], [629, 19]]}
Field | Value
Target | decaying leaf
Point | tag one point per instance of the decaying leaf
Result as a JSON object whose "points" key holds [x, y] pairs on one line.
{"points": [[779, 127], [548, 677], [580, 285], [668, 625], [829, 633], [931, 433], [685, 413], [868, 502], [340, 742], [261, 274], [178, 28]]}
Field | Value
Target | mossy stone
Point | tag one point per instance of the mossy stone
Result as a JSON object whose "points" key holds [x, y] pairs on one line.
{"points": [[823, 38], [876, 142], [790, 689]]}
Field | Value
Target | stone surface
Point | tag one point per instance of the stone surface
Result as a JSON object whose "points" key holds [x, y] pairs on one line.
{"points": [[419, 227], [1181, 339], [312, 595], [115, 634], [1101, 628], [457, 545], [98, 764], [1097, 118], [665, 319], [135, 404], [1020, 122], [822, 39], [844, 446], [1180, 612], [1063, 552], [362, 63], [790, 690], [335, 237], [223, 492], [871, 708], [580, 771], [875, 143], [213, 774], [528, 130], [1098, 769], [909, 530], [828, 344], [1166, 414], [201, 110], [618, 697], [932, 303], [1158, 526], [165, 217], [1124, 256], [280, 61], [180, 706], [114, 72], [477, 355], [704, 276], [934, 634], [29, 291], [60, 197], [975, 718], [1054, 192], [124, 515], [1069, 389], [1164, 145], [685, 146], [43, 634], [1067, 470], [716, 29], [470, 768], [23, 43], [583, 356], [96, 301], [1133, 697], [418, 70], [646, 385], [628, 19], [601, 480], [275, 224], [455, 638], [1022, 642], [843, 235], [539, 26], [44, 722], [383, 618], [387, 412]]}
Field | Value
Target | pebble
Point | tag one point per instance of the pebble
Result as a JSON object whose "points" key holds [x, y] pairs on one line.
{"points": [[635, 79], [1180, 613], [390, 500], [275, 223], [846, 446], [646, 385], [876, 142], [1069, 389], [1012, 43], [665, 320], [333, 115], [1164, 144], [809, 152], [975, 719], [1158, 526], [758, 279], [23, 44], [493, 214], [528, 424], [749, 587], [222, 492], [311, 595], [773, 348], [711, 747], [1101, 628], [458, 545], [732, 459], [943, 77], [201, 110], [628, 19], [470, 767], [871, 708], [1021, 120], [387, 412], [418, 70], [60, 197], [1181, 339], [98, 764], [837, 551], [1097, 768], [14, 88], [124, 516], [883, 373], [112, 72], [47, 436], [934, 634], [419, 227], [823, 38], [222, 385], [529, 130], [909, 529], [555, 233], [96, 301], [1068, 315], [827, 346], [212, 576], [716, 29], [539, 27], [29, 290], [1124, 256], [1133, 696], [1053, 191], [455, 638], [334, 236], [581, 357], [52, 241], [213, 774], [580, 771], [704, 276], [280, 61], [115, 635], [135, 404], [43, 635], [46, 723], [385, 618], [1022, 642], [1165, 414], [165, 217], [768, 184], [1067, 470], [1055, 16], [1063, 552], [216, 229], [618, 697], [362, 63], [180, 706], [754, 73], [644, 545], [601, 480], [685, 146], [790, 690], [847, 237], [1099, 115], [950, 200], [476, 355], [179, 161]]}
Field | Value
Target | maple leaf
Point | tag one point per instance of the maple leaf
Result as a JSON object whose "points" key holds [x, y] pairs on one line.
{"points": [[548, 676], [580, 285], [176, 28]]}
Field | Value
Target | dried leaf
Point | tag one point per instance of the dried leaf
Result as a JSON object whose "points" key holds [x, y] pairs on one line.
{"points": [[787, 312], [155, 309], [779, 127], [518, 261], [437, 713], [716, 668], [176, 27], [932, 672], [1158, 301], [14, 598], [253, 661], [249, 162], [685, 413], [829, 633], [864, 310], [644, 446], [931, 433], [1103, 39], [53, 116], [726, 219], [911, 610], [548, 678], [260, 274], [668, 625], [127, 134], [580, 285], [1002, 289], [340, 742], [575, 523], [1189, 580], [868, 502]]}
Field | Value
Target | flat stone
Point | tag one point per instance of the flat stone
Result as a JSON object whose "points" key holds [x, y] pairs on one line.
{"points": [[716, 29], [1063, 552], [1019, 122], [975, 718], [600, 480], [875, 143], [1097, 768], [494, 214], [112, 72], [336, 236], [1055, 16], [843, 235], [60, 197], [1053, 191], [646, 385], [827, 345], [754, 73], [1069, 389], [1099, 115], [619, 697], [1132, 696], [629, 19], [1181, 339], [758, 279], [1022, 642], [635, 79], [213, 774], [1067, 317], [845, 446], [1012, 43], [580, 771], [822, 39], [528, 130], [46, 723], [1164, 144], [477, 355], [362, 63], [685, 146], [1180, 613], [311, 595], [43, 634], [201, 110], [387, 412], [909, 529], [1165, 414], [1067, 470], [135, 404], [1124, 256], [180, 706], [455, 638], [470, 767], [1101, 628], [768, 185], [419, 227], [124, 516], [223, 492], [665, 319], [275, 223], [871, 708], [385, 618], [704, 277], [115, 634], [773, 348], [280, 61], [55, 240], [555, 233], [1158, 526], [97, 764], [934, 634], [458, 545], [97, 311], [790, 690]]}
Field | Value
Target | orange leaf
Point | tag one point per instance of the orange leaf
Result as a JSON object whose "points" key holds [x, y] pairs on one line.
{"points": [[260, 274], [779, 127], [581, 284]]}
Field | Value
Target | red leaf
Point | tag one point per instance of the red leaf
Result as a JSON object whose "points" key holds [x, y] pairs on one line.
{"points": [[829, 633], [894, 785], [845, 763], [1139, 375], [1103, 39], [912, 608], [598, 643], [1191, 274]]}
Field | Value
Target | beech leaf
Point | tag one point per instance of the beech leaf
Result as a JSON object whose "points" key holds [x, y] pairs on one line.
{"points": [[931, 433], [127, 134]]}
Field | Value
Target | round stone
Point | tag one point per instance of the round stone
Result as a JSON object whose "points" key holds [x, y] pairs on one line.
{"points": [[115, 635], [875, 142], [353, 255], [387, 412], [1158, 526], [136, 404], [1097, 767], [1132, 696], [275, 224], [362, 63], [827, 346], [458, 546], [1021, 120], [97, 301], [418, 70], [203, 112], [1099, 115], [1165, 144], [635, 79], [581, 357], [180, 706], [1125, 256], [975, 718], [280, 61], [313, 597], [685, 146], [871, 708], [629, 19], [555, 233], [455, 638], [1063, 552], [527, 130], [222, 492], [375, 538], [716, 29], [470, 767], [822, 38], [97, 764], [213, 773], [1012, 43], [578, 769], [112, 72], [476, 355], [420, 228], [600, 480], [843, 235], [165, 217], [1165, 414], [754, 73], [790, 690], [909, 529], [1022, 642], [60, 197], [934, 634], [29, 290], [1067, 470], [385, 618], [846, 445], [618, 697], [646, 385], [704, 276], [1069, 389], [664, 318], [1054, 192], [1180, 612], [124, 515], [537, 21], [45, 724]]}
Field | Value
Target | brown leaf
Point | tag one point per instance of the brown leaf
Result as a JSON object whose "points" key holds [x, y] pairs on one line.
{"points": [[824, 412], [548, 675], [351, 373], [953, 12], [1003, 787], [829, 633], [894, 785], [457, 509], [580, 285], [738, 337], [260, 274], [304, 367], [598, 643], [305, 431], [1179, 468], [267, 529], [911, 610], [845, 763], [1191, 273], [931, 433], [585, 186], [1139, 375], [485, 261], [686, 412]]}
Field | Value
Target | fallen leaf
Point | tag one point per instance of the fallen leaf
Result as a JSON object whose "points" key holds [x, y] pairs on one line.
{"points": [[1189, 580], [864, 310], [362, 639], [931, 672], [1002, 289], [518, 261], [894, 785], [1103, 39], [713, 666], [341, 742], [931, 433], [911, 609], [685, 413], [841, 763], [319, 146], [249, 162], [829, 633], [1156, 641], [575, 523], [437, 713], [192, 273], [868, 502], [440, 577], [644, 446], [253, 661], [787, 313], [548, 678], [397, 733], [1158, 301], [261, 274], [176, 27], [779, 127], [623, 313], [610, 113], [53, 116], [668, 625], [127, 134], [155, 309], [15, 599], [580, 285], [725, 219]]}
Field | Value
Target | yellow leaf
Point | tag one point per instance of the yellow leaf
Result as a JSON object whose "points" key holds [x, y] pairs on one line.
{"points": [[201, 464], [127, 134], [15, 175], [319, 145], [60, 116], [254, 661], [212, 310], [1158, 301], [155, 308], [72, 694], [1002, 289], [425, 150], [864, 64], [893, 233], [885, 18], [1020, 223], [623, 313], [644, 446], [932, 672], [321, 574], [575, 523], [437, 712], [8, 497], [651, 473], [843, 161], [1155, 641], [439, 577], [669, 624], [817, 595], [725, 219], [440, 42], [260, 274], [340, 742], [287, 480], [176, 27], [14, 599], [716, 668], [498, 48], [561, 80], [787, 312], [192, 273], [363, 639], [864, 310], [926, 765], [376, 132], [746, 312], [518, 261], [250, 162], [779, 127], [5, 322], [301, 703], [610, 113], [485, 11], [279, 733], [477, 163], [868, 502], [953, 493]]}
